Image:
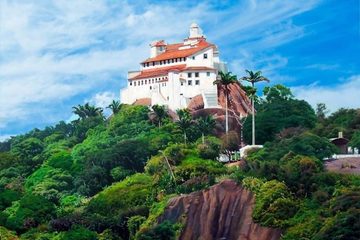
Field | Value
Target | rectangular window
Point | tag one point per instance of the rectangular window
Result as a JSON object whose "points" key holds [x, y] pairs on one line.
{"points": [[205, 55], [153, 63], [142, 82], [196, 74], [208, 74], [193, 57], [189, 75], [134, 83], [189, 82], [182, 84], [197, 82], [130, 83]]}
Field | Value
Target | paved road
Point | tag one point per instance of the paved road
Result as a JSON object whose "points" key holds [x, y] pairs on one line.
{"points": [[344, 165]]}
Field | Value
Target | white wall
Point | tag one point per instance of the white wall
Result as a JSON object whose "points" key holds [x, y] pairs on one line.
{"points": [[178, 95]]}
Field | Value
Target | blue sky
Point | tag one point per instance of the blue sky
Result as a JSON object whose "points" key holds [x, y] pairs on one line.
{"points": [[57, 54]]}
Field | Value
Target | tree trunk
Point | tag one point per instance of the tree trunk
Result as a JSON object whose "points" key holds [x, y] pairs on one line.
{"points": [[253, 117], [203, 138], [185, 137], [226, 111]]}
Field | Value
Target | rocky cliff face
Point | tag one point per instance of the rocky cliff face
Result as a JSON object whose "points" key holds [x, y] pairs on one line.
{"points": [[221, 212]]}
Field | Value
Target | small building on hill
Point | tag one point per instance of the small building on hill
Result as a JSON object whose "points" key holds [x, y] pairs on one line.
{"points": [[175, 73], [341, 143]]}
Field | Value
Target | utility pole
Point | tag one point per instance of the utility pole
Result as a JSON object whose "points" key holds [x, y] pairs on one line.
{"points": [[242, 122]]}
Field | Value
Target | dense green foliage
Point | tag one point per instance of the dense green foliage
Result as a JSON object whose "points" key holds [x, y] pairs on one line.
{"points": [[98, 178], [87, 179], [278, 110]]}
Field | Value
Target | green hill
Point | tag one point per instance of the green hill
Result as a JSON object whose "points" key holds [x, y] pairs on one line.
{"points": [[98, 178]]}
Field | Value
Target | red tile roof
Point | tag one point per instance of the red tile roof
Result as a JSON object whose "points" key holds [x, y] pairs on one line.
{"points": [[143, 102], [173, 51], [160, 43], [155, 72], [199, 68]]}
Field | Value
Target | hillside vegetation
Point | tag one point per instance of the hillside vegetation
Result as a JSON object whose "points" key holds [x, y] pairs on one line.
{"points": [[98, 178]]}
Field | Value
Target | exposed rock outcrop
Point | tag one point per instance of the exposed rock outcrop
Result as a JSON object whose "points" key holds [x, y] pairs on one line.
{"points": [[221, 212], [238, 100]]}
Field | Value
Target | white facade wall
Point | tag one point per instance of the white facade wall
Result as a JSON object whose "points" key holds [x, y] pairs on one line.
{"points": [[143, 88], [176, 89], [200, 60]]}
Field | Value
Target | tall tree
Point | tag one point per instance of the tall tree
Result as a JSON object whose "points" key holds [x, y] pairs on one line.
{"points": [[206, 125], [114, 106], [184, 121], [160, 113], [225, 79], [87, 110], [254, 77], [321, 111]]}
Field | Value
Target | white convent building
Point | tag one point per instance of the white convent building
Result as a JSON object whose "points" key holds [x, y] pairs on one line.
{"points": [[175, 73]]}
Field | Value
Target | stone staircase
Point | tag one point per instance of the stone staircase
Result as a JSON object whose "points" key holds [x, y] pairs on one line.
{"points": [[210, 99]]}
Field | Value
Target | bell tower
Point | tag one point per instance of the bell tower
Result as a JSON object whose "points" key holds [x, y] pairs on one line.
{"points": [[195, 31]]}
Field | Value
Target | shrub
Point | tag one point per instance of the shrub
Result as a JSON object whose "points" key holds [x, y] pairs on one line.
{"points": [[344, 226], [120, 173], [193, 166], [7, 197], [210, 149], [162, 231], [108, 235], [298, 172], [77, 233], [61, 160], [6, 234], [253, 184], [131, 192], [134, 224], [155, 165], [175, 153], [31, 209], [230, 141], [274, 204]]}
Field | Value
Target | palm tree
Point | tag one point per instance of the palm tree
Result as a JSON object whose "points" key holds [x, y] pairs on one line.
{"points": [[80, 111], [254, 77], [184, 121], [225, 79], [160, 113], [87, 110], [92, 111], [206, 126], [115, 106]]}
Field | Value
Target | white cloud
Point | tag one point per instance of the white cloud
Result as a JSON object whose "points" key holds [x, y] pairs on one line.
{"points": [[323, 66], [102, 99], [343, 95], [53, 51], [5, 137]]}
